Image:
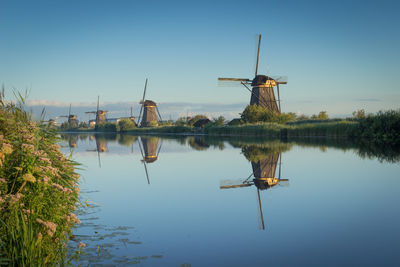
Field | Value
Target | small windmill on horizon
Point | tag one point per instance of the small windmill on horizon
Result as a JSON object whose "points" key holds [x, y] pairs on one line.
{"points": [[100, 114], [72, 119], [262, 92]]}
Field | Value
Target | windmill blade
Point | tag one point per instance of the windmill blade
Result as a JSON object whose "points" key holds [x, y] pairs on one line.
{"points": [[69, 112], [159, 149], [258, 54], [144, 162], [279, 79], [98, 100], [147, 174], [228, 184], [158, 113], [234, 186], [90, 112], [232, 82], [142, 102], [260, 210], [98, 155], [234, 79]]}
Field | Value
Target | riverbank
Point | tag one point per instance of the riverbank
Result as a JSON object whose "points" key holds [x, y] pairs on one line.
{"points": [[381, 128], [38, 192]]}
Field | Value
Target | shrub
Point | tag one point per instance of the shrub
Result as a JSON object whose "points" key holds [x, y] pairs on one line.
{"points": [[38, 192], [106, 127], [125, 125], [322, 115], [196, 118]]}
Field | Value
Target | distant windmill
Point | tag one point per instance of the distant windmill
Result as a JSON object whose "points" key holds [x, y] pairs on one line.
{"points": [[149, 109], [264, 178], [149, 151], [262, 92], [100, 114], [72, 120]]}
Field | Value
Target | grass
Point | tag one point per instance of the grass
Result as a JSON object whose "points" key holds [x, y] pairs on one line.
{"points": [[38, 191]]}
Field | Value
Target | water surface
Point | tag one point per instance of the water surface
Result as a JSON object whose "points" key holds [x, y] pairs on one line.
{"points": [[200, 201]]}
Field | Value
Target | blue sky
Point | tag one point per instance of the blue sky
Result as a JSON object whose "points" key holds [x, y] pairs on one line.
{"points": [[339, 56]]}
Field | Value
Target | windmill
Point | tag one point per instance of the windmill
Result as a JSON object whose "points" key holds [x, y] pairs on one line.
{"points": [[149, 152], [149, 109], [72, 120], [264, 177], [262, 92], [100, 114]]}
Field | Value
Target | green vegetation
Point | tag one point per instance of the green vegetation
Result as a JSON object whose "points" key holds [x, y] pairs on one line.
{"points": [[254, 114], [382, 128], [38, 192], [126, 125]]}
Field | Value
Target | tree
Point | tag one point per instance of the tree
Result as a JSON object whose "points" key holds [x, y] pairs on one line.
{"points": [[359, 114]]}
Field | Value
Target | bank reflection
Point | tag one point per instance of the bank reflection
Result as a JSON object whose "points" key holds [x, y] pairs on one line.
{"points": [[266, 164], [149, 150]]}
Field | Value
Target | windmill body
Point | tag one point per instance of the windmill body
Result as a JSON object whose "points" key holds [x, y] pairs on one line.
{"points": [[101, 116], [150, 146], [149, 114], [264, 171], [263, 88], [263, 93]]}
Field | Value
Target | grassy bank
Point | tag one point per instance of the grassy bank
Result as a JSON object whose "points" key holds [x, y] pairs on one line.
{"points": [[334, 129], [380, 128], [38, 192]]}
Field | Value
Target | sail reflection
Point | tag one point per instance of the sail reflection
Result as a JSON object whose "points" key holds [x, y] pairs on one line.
{"points": [[149, 150]]}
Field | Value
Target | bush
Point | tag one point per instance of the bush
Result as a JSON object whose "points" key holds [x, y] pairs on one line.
{"points": [[255, 113], [38, 192], [321, 116], [106, 127], [195, 119], [125, 125]]}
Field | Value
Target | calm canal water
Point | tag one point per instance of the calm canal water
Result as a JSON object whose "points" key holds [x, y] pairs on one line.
{"points": [[234, 202]]}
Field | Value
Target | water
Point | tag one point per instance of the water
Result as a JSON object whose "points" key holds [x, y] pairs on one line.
{"points": [[335, 203]]}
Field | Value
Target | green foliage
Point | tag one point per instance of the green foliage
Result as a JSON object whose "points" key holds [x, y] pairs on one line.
{"points": [[235, 122], [255, 113], [153, 124], [219, 121], [195, 119], [65, 126], [83, 125], [126, 125], [181, 121], [38, 191], [382, 128], [303, 117], [106, 127], [322, 115], [359, 114]]}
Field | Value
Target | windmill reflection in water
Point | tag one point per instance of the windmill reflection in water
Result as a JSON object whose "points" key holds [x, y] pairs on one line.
{"points": [[101, 145], [149, 150], [264, 176]]}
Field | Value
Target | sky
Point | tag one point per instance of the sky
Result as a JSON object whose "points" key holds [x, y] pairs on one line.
{"points": [[339, 56]]}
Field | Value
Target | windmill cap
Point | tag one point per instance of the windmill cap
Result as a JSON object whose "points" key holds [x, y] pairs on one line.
{"points": [[149, 103], [260, 79]]}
